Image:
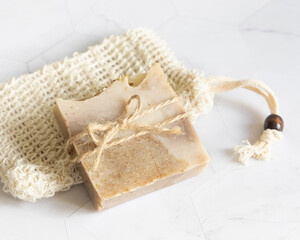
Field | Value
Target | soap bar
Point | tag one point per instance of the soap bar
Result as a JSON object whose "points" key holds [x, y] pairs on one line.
{"points": [[142, 164]]}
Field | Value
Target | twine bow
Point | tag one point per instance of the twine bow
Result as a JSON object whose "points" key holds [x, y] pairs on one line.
{"points": [[125, 122]]}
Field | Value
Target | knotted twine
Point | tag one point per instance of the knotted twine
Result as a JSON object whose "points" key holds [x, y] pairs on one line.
{"points": [[125, 122]]}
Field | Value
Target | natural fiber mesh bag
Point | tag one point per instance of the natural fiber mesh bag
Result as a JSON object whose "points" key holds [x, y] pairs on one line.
{"points": [[33, 163]]}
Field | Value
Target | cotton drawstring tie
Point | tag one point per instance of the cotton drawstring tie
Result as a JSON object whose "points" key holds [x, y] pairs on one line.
{"points": [[273, 125]]}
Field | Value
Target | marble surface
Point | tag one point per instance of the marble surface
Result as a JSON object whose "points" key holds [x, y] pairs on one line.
{"points": [[240, 38]]}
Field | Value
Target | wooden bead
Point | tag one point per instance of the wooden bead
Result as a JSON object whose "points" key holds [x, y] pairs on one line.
{"points": [[274, 121]]}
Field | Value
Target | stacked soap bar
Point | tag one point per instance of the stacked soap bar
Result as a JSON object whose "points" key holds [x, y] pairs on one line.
{"points": [[142, 164]]}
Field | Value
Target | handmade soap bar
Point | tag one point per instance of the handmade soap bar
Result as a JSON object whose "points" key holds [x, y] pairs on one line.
{"points": [[148, 156]]}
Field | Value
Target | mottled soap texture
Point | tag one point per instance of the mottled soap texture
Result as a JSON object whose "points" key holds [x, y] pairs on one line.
{"points": [[242, 39], [143, 164]]}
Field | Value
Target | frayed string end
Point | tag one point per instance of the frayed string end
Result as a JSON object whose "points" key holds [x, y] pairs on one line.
{"points": [[261, 150]]}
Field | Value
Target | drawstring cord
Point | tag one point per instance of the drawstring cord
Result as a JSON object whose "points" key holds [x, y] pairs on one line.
{"points": [[261, 149]]}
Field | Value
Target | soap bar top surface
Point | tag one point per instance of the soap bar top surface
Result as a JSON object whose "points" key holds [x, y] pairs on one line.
{"points": [[107, 105], [142, 160]]}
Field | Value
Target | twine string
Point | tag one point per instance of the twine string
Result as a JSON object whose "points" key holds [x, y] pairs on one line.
{"points": [[125, 122]]}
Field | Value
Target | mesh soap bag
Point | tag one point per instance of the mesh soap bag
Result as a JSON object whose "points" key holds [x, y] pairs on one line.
{"points": [[33, 161]]}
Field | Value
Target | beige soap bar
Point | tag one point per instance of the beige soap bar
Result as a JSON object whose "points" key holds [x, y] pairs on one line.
{"points": [[143, 164]]}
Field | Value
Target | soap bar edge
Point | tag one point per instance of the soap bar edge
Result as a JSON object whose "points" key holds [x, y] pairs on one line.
{"points": [[60, 120]]}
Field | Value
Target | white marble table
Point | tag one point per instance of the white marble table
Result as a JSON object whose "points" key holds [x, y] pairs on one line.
{"points": [[239, 38]]}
